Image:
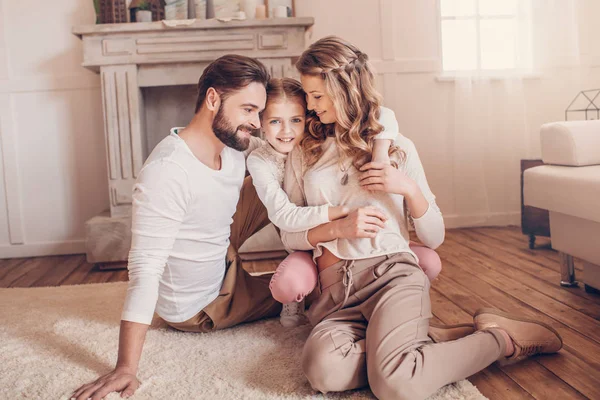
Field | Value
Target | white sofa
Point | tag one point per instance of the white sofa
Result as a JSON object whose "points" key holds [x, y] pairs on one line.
{"points": [[569, 187]]}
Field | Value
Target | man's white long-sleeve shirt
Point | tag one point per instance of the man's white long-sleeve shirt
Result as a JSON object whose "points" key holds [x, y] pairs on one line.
{"points": [[181, 217]]}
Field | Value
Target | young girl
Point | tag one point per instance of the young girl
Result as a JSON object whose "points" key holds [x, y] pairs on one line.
{"points": [[283, 124]]}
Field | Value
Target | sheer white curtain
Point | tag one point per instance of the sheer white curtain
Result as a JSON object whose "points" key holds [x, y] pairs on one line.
{"points": [[499, 95]]}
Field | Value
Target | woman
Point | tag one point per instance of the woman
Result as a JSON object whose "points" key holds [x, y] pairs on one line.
{"points": [[372, 315]]}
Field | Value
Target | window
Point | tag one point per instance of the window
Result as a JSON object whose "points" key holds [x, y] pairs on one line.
{"points": [[484, 35]]}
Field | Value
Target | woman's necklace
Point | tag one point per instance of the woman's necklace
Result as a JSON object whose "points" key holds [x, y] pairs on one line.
{"points": [[345, 178]]}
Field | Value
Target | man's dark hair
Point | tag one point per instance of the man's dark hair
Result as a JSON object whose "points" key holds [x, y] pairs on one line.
{"points": [[228, 74]]}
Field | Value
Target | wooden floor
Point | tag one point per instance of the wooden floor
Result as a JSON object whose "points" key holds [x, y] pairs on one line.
{"points": [[482, 267]]}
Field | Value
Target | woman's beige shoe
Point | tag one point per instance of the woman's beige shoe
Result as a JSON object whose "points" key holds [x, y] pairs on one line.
{"points": [[529, 337]]}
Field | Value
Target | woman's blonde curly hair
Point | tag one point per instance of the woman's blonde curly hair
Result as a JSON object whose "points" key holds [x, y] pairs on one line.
{"points": [[349, 81]]}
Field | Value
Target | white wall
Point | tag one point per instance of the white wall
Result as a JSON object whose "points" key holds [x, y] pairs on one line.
{"points": [[51, 133], [51, 136]]}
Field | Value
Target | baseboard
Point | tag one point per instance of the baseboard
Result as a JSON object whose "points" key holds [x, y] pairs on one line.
{"points": [[487, 219], [111, 266], [42, 249]]}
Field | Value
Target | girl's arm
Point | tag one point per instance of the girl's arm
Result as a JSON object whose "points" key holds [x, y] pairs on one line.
{"points": [[282, 212], [360, 223], [387, 118], [293, 187], [385, 138], [380, 151]]}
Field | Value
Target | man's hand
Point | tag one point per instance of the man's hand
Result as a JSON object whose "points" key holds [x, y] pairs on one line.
{"points": [[119, 380], [363, 222], [384, 177]]}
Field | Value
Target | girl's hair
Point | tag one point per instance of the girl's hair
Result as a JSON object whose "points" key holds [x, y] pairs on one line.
{"points": [[349, 82], [282, 89]]}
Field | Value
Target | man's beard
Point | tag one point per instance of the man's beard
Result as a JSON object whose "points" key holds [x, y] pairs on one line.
{"points": [[228, 134]]}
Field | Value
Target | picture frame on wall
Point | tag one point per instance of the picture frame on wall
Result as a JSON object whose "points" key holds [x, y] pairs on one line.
{"points": [[271, 5]]}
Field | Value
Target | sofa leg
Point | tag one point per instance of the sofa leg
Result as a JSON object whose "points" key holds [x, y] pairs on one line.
{"points": [[567, 270], [532, 242]]}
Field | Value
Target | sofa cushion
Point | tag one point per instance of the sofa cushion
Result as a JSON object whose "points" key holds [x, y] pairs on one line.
{"points": [[568, 190], [575, 143]]}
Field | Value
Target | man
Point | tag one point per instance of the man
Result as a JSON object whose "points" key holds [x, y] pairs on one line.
{"points": [[183, 262]]}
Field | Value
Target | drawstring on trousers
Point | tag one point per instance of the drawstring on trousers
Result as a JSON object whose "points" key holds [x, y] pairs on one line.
{"points": [[347, 281]]}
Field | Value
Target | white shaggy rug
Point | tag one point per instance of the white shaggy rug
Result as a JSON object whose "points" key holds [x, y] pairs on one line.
{"points": [[54, 339]]}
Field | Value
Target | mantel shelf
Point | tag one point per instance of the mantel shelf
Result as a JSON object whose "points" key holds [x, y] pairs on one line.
{"points": [[154, 43], [199, 24]]}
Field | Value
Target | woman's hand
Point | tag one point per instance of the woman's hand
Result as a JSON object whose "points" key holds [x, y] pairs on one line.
{"points": [[363, 222], [377, 176], [385, 178], [119, 380]]}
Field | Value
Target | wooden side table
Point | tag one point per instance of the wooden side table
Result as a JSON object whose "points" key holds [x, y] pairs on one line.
{"points": [[534, 221]]}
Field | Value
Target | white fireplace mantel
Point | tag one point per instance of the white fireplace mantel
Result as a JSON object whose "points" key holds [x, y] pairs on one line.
{"points": [[130, 57]]}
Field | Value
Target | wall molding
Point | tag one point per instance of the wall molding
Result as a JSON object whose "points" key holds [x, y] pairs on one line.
{"points": [[488, 219], [43, 249], [389, 63], [386, 16], [49, 83], [11, 178]]}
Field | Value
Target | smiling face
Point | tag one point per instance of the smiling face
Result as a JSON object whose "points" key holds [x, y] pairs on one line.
{"points": [[283, 124], [238, 116], [317, 98]]}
